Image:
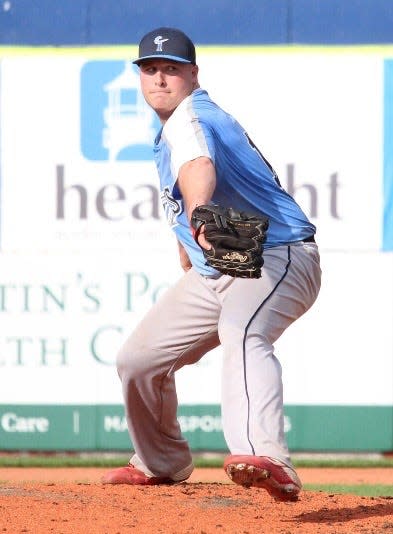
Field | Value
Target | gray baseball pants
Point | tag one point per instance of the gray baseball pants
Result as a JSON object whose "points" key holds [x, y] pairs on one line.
{"points": [[245, 317]]}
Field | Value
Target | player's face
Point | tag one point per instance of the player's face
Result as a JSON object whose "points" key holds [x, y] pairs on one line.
{"points": [[166, 83]]}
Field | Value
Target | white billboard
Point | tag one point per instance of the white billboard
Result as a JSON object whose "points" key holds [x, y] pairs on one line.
{"points": [[77, 161], [85, 250]]}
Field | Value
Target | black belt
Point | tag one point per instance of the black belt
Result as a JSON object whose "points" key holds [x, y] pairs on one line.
{"points": [[310, 239]]}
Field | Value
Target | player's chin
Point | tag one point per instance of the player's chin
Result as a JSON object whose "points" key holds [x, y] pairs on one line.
{"points": [[163, 110], [159, 98]]}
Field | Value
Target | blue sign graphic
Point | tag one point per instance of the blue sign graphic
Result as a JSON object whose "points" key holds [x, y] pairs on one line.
{"points": [[387, 243], [116, 122]]}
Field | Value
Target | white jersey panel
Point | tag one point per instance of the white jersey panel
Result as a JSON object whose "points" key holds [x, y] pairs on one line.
{"points": [[184, 136]]}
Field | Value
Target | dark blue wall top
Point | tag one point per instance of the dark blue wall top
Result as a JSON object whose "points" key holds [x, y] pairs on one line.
{"points": [[89, 22]]}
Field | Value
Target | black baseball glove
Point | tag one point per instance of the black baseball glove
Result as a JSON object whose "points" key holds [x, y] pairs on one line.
{"points": [[236, 238]]}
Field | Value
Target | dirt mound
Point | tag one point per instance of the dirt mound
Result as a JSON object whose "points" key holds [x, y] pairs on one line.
{"points": [[192, 507]]}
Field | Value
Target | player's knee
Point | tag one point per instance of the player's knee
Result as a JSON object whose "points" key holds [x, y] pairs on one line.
{"points": [[232, 334], [132, 361], [235, 340]]}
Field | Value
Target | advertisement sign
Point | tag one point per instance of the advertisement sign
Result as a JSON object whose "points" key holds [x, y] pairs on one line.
{"points": [[77, 145], [85, 250]]}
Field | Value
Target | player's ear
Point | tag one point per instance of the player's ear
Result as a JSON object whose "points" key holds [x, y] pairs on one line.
{"points": [[195, 70]]}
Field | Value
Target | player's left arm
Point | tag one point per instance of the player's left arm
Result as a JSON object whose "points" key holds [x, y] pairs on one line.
{"points": [[197, 182]]}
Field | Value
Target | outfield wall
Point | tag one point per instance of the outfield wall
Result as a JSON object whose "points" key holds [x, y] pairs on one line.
{"points": [[87, 22], [85, 251]]}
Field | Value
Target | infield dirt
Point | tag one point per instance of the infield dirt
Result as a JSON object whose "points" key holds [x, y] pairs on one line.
{"points": [[73, 501]]}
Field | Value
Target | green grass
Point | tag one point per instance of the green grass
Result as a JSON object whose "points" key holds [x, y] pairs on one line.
{"points": [[363, 490], [62, 461], [349, 462], [217, 461], [116, 460]]}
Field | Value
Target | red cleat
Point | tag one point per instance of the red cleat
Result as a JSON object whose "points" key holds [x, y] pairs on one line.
{"points": [[134, 476], [279, 480]]}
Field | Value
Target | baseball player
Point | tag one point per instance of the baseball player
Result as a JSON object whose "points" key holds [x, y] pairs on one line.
{"points": [[212, 177]]}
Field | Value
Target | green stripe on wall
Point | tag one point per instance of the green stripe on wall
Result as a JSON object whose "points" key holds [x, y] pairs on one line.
{"points": [[80, 427], [341, 428]]}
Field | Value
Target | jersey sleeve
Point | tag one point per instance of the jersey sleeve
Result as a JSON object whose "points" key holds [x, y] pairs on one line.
{"points": [[187, 137]]}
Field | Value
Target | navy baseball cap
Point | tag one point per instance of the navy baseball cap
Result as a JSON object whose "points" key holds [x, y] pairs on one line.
{"points": [[166, 43]]}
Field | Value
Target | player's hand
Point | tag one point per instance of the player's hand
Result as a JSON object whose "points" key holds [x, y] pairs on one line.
{"points": [[202, 241]]}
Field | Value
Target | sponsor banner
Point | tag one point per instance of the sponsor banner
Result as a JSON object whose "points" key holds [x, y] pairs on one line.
{"points": [[341, 351], [85, 249], [79, 187], [334, 428], [200, 425], [1, 153], [64, 318], [45, 427], [84, 177]]}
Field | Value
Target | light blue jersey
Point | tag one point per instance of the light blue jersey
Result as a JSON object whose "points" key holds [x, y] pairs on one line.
{"points": [[245, 180]]}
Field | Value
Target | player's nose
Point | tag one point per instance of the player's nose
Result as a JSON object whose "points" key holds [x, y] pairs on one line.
{"points": [[159, 78]]}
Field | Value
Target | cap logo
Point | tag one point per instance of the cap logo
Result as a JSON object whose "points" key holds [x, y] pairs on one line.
{"points": [[158, 41]]}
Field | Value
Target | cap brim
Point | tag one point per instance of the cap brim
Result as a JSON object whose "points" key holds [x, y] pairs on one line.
{"points": [[161, 56]]}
